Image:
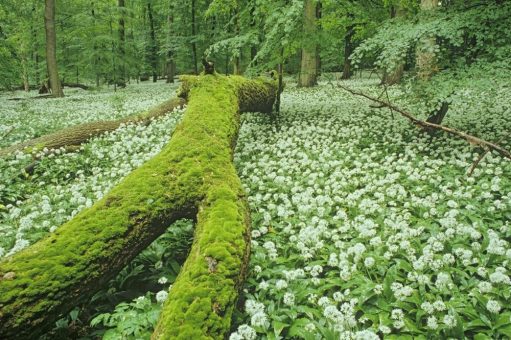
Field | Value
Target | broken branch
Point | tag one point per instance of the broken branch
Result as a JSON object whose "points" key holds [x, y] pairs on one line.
{"points": [[427, 125]]}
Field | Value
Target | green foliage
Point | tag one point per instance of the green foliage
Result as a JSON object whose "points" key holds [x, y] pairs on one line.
{"points": [[454, 85], [202, 300], [133, 320], [150, 272], [462, 35], [350, 205]]}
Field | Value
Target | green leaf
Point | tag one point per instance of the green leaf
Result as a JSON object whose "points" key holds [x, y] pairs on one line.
{"points": [[503, 320], [74, 314], [278, 327]]}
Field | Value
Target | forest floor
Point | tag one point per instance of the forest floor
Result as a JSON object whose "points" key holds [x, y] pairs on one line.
{"points": [[361, 222]]}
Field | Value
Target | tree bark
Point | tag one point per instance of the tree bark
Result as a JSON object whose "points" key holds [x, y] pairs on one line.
{"points": [[237, 58], [154, 48], [308, 72], [425, 60], [35, 47], [95, 47], [51, 48], [24, 65], [194, 44], [121, 79], [253, 47], [437, 116], [393, 76], [79, 134], [171, 64], [348, 48], [209, 66], [280, 87], [192, 177], [319, 13]]}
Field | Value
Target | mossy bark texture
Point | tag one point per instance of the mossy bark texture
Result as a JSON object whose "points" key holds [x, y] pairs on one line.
{"points": [[78, 134], [192, 177]]}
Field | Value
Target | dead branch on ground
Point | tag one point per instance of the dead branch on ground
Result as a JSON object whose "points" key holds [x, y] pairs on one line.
{"points": [[427, 125]]}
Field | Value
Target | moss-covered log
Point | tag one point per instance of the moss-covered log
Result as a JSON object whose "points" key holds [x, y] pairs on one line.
{"points": [[192, 177], [201, 301], [78, 134]]}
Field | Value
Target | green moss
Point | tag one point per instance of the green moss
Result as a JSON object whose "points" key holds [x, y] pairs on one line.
{"points": [[76, 135], [69, 265], [193, 173], [201, 301]]}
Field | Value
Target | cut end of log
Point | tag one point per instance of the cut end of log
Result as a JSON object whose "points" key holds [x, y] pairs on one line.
{"points": [[209, 66]]}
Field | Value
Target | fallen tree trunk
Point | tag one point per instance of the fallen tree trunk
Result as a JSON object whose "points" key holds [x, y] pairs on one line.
{"points": [[44, 96], [426, 125], [192, 177], [78, 134], [77, 85]]}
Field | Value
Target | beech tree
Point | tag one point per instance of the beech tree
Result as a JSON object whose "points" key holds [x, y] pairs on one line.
{"points": [[426, 51], [51, 49], [309, 59]]}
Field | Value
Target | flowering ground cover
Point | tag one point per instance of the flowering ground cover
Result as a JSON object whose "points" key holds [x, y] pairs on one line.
{"points": [[25, 119], [365, 227], [64, 183]]}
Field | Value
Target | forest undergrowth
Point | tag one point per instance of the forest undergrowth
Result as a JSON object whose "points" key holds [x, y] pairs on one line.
{"points": [[366, 226], [363, 225]]}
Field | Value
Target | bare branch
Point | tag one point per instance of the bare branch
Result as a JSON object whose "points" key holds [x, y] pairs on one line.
{"points": [[7, 133], [427, 125], [479, 159]]}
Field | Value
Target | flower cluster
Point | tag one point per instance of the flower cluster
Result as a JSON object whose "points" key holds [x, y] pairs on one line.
{"points": [[371, 225], [65, 183]]}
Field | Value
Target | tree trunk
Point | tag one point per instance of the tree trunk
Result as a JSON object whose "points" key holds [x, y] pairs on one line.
{"points": [[112, 51], [425, 60], [253, 54], [171, 65], [348, 48], [121, 79], [237, 58], [319, 9], [76, 135], [192, 177], [253, 48], [24, 65], [437, 116], [308, 73], [393, 76], [194, 44], [35, 48], [36, 67], [94, 47], [77, 85], [51, 48], [154, 48], [171, 68], [280, 86]]}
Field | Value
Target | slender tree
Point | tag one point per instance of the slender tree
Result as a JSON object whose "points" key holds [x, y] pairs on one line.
{"points": [[308, 69], [426, 62], [319, 11], [35, 43], [393, 76], [348, 48], [51, 48], [153, 57], [171, 64], [237, 58], [121, 79], [194, 44]]}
